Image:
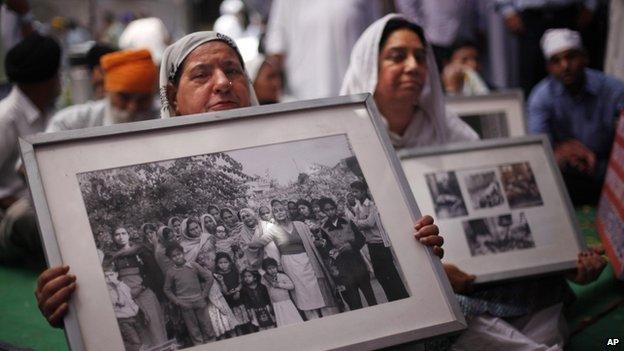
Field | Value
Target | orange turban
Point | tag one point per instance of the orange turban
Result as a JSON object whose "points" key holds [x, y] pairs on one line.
{"points": [[129, 71]]}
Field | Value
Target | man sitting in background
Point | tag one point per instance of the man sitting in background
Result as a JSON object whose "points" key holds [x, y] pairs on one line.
{"points": [[97, 74], [129, 84], [578, 109], [33, 67]]}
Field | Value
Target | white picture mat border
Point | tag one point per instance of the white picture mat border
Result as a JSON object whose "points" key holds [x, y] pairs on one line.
{"points": [[411, 254], [495, 144], [509, 102]]}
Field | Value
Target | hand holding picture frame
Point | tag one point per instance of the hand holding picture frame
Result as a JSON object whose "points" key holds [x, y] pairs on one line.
{"points": [[502, 203], [94, 189]]}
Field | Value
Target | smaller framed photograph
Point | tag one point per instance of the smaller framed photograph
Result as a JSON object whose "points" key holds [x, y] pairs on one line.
{"points": [[495, 115], [501, 203], [610, 215]]}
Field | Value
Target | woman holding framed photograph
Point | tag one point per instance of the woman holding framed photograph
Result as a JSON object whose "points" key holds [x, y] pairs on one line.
{"points": [[200, 72], [393, 61]]}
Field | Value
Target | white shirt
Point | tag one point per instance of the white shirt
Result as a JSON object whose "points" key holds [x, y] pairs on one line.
{"points": [[444, 21], [317, 37], [87, 115], [19, 117]]}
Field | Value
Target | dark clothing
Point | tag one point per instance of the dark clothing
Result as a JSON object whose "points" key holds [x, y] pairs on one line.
{"points": [[141, 261], [352, 271], [231, 281], [129, 328], [590, 116], [186, 282], [386, 272], [257, 301]]}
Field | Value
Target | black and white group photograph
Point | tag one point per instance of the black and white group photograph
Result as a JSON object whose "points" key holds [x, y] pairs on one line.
{"points": [[484, 189], [446, 195], [498, 234], [520, 185], [215, 246]]}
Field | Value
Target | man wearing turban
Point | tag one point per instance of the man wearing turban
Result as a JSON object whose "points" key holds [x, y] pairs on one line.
{"points": [[33, 68], [130, 86], [578, 109]]}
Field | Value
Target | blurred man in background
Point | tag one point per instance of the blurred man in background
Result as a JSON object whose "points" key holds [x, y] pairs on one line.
{"points": [[578, 109]]}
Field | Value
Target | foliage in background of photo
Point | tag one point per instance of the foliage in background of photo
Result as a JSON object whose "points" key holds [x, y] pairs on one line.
{"points": [[153, 192]]}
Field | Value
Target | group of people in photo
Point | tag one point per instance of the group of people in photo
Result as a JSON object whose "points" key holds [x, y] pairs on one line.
{"points": [[232, 272]]}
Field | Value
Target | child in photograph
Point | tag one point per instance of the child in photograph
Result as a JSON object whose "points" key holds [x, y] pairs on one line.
{"points": [[257, 301], [223, 320], [227, 244], [278, 285], [187, 285], [229, 280], [126, 310]]}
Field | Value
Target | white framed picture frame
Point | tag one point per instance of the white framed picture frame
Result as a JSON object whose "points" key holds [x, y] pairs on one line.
{"points": [[502, 204], [499, 114], [275, 148]]}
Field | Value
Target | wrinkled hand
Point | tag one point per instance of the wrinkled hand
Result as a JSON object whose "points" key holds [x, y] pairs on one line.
{"points": [[575, 154], [589, 265], [460, 280], [54, 289], [514, 23], [428, 234]]}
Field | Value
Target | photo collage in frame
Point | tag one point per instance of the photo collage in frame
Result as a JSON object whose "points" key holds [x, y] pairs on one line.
{"points": [[491, 204]]}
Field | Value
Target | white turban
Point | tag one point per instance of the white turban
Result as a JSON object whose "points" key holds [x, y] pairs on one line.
{"points": [[555, 41]]}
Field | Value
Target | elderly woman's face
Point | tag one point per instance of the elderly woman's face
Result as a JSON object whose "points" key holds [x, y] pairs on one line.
{"points": [[212, 79], [402, 66]]}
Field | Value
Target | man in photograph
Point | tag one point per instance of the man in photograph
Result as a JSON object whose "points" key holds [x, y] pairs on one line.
{"points": [[342, 241], [577, 108]]}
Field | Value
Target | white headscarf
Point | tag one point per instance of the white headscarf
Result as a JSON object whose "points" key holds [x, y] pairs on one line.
{"points": [[174, 56], [432, 124]]}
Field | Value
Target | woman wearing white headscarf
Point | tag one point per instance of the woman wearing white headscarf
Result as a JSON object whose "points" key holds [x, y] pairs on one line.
{"points": [[393, 62], [252, 229], [185, 90], [405, 84], [194, 240]]}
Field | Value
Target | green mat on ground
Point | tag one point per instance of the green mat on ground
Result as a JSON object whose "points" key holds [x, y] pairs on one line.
{"points": [[22, 325]]}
